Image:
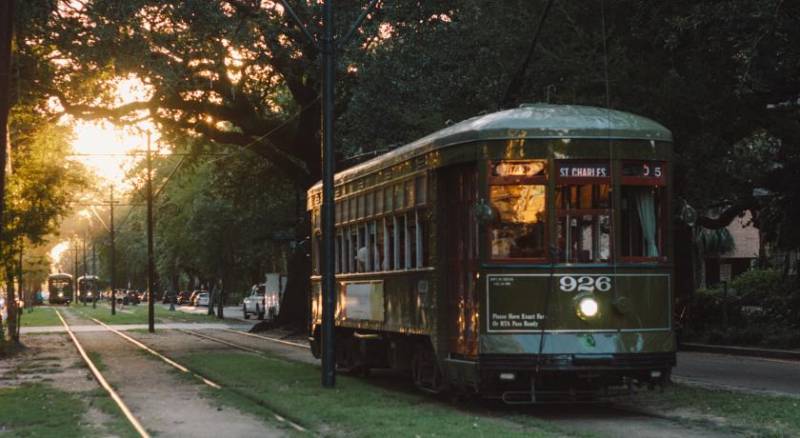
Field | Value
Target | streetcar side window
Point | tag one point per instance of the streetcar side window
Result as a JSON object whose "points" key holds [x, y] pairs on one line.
{"points": [[381, 230]]}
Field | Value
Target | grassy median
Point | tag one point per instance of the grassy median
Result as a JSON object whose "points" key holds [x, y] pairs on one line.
{"points": [[138, 314], [738, 412], [40, 317], [40, 411], [354, 408]]}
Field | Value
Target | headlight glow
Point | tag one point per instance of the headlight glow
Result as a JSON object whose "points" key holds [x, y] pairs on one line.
{"points": [[587, 307], [61, 294]]}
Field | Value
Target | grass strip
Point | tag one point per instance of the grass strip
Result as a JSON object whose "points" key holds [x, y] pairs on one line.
{"points": [[40, 317], [756, 414], [138, 314], [40, 411], [354, 408]]}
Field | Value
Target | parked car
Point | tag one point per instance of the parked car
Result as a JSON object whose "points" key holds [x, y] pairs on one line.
{"points": [[183, 297], [131, 297], [193, 297], [254, 303], [201, 299]]}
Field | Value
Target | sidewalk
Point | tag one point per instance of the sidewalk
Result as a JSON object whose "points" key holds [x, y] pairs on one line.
{"points": [[123, 327], [741, 351]]}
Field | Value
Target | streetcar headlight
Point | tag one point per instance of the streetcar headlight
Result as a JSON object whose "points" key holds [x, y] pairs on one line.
{"points": [[90, 294], [61, 294], [587, 307]]}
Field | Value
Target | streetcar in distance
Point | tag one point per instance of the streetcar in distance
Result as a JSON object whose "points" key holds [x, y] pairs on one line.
{"points": [[59, 286], [523, 255], [88, 288]]}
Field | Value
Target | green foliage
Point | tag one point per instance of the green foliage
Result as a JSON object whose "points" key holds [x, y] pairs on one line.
{"points": [[762, 309]]}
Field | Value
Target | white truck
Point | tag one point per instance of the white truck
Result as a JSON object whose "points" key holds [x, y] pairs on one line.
{"points": [[265, 298]]}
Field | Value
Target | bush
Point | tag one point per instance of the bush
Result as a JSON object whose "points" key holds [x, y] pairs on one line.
{"points": [[763, 309]]}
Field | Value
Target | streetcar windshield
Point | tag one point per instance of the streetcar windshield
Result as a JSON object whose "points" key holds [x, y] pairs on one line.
{"points": [[519, 231], [517, 196]]}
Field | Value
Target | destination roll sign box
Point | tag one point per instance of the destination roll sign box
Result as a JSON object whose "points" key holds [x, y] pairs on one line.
{"points": [[583, 170]]}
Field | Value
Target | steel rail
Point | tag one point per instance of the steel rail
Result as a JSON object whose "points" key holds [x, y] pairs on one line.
{"points": [[159, 355], [100, 379], [256, 400], [267, 338], [204, 379]]}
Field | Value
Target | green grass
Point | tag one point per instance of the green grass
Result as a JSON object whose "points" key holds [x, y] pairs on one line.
{"points": [[354, 408], [40, 411], [120, 425], [41, 316], [97, 359], [749, 414], [138, 314]]}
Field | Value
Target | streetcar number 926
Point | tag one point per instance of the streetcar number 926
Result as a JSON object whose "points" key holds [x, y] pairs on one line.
{"points": [[585, 283]]}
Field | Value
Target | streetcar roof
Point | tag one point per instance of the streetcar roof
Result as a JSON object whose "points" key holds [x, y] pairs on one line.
{"points": [[61, 276], [529, 121]]}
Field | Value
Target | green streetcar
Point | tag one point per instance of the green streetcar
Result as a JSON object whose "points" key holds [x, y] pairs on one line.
{"points": [[521, 255], [59, 288]]}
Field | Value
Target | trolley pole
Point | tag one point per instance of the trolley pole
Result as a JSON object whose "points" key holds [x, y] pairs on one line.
{"points": [[150, 263], [328, 169], [113, 260]]}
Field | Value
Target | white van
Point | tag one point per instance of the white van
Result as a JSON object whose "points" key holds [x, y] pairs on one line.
{"points": [[265, 298]]}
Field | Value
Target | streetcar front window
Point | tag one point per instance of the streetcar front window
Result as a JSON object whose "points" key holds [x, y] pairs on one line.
{"points": [[520, 226], [584, 223], [643, 210]]}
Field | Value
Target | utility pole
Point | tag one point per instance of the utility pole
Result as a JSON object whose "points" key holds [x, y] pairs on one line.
{"points": [[328, 50], [113, 260], [75, 279], [83, 292], [328, 169], [150, 263]]}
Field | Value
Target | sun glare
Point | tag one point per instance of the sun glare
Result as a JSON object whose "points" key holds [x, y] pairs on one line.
{"points": [[56, 253], [109, 150]]}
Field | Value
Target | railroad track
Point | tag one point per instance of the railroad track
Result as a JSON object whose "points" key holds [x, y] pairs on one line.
{"points": [[137, 425]]}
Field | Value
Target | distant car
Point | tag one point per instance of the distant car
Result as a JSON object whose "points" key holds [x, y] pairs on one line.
{"points": [[131, 297], [254, 303], [201, 299], [183, 297]]}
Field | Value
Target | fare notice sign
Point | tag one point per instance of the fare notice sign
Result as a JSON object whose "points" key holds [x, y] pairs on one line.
{"points": [[583, 170], [514, 304]]}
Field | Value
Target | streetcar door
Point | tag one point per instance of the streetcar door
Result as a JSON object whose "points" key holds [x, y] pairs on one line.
{"points": [[458, 191]]}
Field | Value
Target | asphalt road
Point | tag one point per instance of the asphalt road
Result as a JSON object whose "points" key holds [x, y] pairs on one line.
{"points": [[739, 373]]}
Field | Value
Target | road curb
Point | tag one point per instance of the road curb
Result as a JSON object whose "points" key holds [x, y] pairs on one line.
{"points": [[741, 351]]}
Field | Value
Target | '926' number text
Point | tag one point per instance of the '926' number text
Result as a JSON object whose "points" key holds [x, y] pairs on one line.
{"points": [[585, 283]]}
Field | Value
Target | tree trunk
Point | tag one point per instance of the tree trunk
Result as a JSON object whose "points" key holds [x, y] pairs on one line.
{"points": [[294, 309], [11, 305], [6, 21]]}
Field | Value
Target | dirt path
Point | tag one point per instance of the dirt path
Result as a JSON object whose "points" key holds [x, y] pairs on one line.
{"points": [[51, 359], [166, 403]]}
